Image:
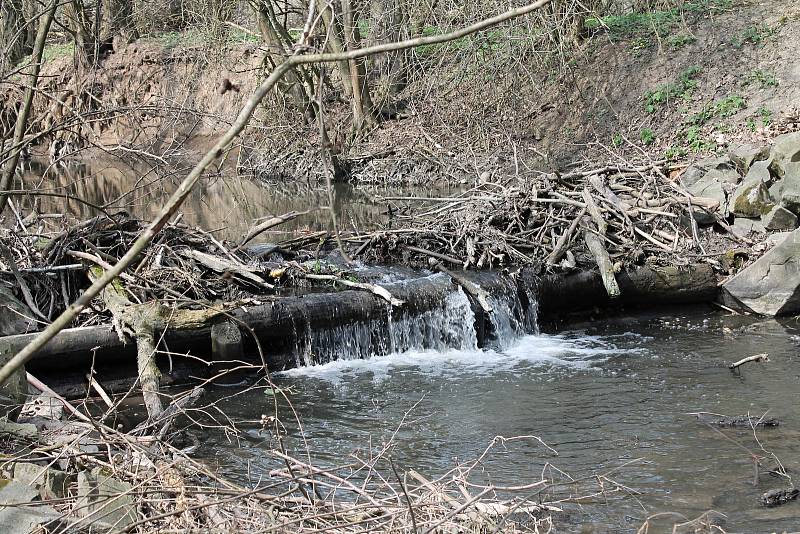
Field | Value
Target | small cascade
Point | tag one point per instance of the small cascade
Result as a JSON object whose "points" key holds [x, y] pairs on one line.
{"points": [[450, 325], [513, 315], [448, 322]]}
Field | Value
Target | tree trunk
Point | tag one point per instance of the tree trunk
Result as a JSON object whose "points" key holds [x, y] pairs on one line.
{"points": [[15, 34], [298, 82], [334, 44], [389, 23], [118, 21], [363, 110]]}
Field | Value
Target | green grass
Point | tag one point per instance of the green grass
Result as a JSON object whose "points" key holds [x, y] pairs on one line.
{"points": [[676, 42], [695, 140], [656, 22], [727, 107], [57, 51], [647, 137], [754, 35], [682, 88], [617, 140], [762, 78]]}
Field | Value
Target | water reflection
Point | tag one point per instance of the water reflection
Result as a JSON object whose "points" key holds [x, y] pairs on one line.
{"points": [[226, 204]]}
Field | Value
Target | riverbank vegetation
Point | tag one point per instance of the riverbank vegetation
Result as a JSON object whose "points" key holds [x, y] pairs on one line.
{"points": [[598, 138]]}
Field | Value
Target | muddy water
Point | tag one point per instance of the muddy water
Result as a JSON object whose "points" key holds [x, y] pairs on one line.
{"points": [[616, 395], [226, 204]]}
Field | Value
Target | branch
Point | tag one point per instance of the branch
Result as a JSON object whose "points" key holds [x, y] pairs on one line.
{"points": [[180, 194]]}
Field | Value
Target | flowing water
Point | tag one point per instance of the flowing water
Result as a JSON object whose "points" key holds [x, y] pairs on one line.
{"points": [[610, 397]]}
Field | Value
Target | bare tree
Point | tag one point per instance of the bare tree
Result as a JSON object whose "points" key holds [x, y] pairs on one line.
{"points": [[14, 34]]}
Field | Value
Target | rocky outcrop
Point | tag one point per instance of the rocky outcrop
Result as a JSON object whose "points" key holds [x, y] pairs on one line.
{"points": [[760, 185], [771, 285]]}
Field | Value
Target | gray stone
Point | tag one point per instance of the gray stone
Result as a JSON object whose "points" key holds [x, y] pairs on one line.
{"points": [[105, 501], [743, 227], [52, 483], [700, 168], [743, 156], [13, 320], [785, 150], [771, 285], [790, 188], [779, 218], [44, 405], [16, 519], [776, 239], [751, 199], [20, 430], [708, 187]]}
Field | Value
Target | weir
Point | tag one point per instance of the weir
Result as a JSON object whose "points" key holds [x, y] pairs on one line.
{"points": [[316, 328]]}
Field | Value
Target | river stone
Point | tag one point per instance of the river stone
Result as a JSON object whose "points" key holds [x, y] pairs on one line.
{"points": [[743, 156], [779, 218], [16, 515], [743, 227], [108, 500], [785, 150], [708, 187], [13, 321], [19, 430], [751, 199], [771, 285], [52, 483], [790, 188]]}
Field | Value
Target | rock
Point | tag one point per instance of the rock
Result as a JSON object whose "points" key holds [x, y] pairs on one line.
{"points": [[771, 285], [701, 167], [743, 156], [743, 227], [107, 500], [19, 430], [44, 405], [12, 321], [751, 199], [16, 519], [779, 218], [51, 483], [776, 239], [790, 188], [785, 150], [708, 187]]}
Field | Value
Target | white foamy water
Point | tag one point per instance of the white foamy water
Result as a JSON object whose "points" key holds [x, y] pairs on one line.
{"points": [[541, 350]]}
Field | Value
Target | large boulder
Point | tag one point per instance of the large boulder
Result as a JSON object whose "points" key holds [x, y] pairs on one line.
{"points": [[713, 178], [743, 156], [779, 218], [771, 285], [751, 199], [785, 150], [790, 188]]}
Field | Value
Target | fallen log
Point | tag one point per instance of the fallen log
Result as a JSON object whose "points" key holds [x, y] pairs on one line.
{"points": [[653, 286]]}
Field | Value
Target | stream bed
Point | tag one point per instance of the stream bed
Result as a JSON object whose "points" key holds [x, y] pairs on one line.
{"points": [[611, 396]]}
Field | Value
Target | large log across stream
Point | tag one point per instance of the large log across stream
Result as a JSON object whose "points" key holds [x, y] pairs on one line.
{"points": [[281, 325]]}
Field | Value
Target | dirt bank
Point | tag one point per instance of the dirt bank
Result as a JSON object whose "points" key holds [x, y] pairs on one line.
{"points": [[666, 83]]}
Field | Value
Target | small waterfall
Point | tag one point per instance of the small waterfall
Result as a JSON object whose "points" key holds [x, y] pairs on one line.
{"points": [[448, 326], [512, 318], [448, 323]]}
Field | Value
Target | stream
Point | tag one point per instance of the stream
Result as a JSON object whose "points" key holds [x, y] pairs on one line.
{"points": [[615, 394], [611, 397]]}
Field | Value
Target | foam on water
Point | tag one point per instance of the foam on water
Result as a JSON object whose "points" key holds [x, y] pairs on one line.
{"points": [[443, 340], [540, 350]]}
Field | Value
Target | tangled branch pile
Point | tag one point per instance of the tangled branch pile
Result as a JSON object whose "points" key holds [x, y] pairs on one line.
{"points": [[630, 213]]}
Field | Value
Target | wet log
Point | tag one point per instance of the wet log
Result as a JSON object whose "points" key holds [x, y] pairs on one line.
{"points": [[652, 286]]}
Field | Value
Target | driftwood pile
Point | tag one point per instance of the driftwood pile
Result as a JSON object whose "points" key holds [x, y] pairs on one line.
{"points": [[614, 217]]}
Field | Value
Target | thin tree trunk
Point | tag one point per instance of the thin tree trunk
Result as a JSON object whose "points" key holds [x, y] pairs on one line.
{"points": [[14, 34], [334, 44], [389, 23], [22, 117], [363, 111]]}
